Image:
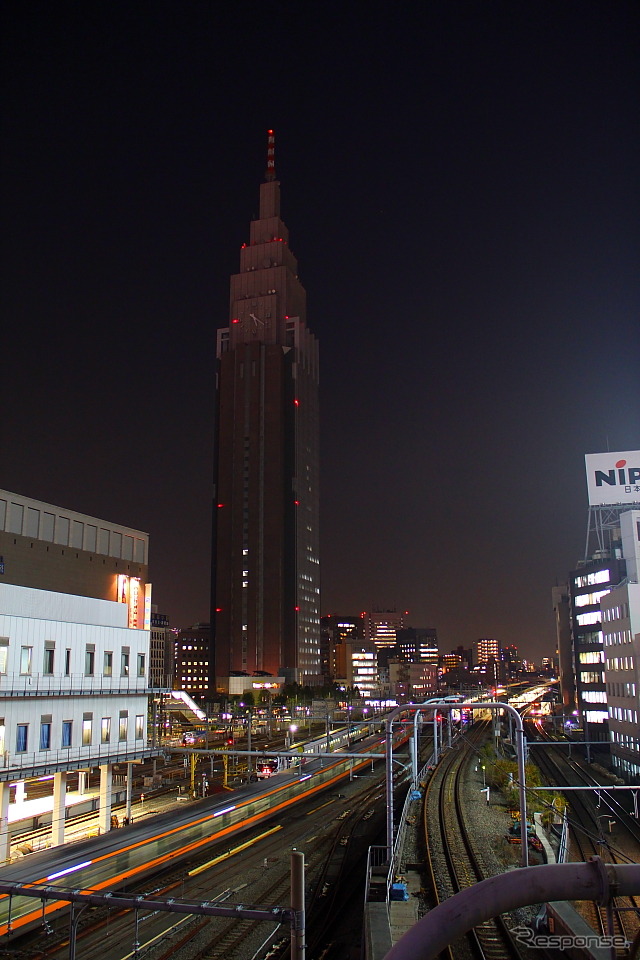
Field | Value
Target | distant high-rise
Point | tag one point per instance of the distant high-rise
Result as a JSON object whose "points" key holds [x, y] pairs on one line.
{"points": [[486, 649], [418, 644], [382, 627], [266, 567]]}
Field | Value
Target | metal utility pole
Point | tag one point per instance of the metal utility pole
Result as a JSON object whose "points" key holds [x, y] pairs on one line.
{"points": [[298, 931], [192, 785]]}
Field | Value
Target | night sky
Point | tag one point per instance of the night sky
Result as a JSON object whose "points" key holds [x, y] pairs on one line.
{"points": [[460, 181]]}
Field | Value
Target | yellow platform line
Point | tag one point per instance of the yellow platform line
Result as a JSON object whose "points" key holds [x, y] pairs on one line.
{"points": [[231, 853], [315, 809]]}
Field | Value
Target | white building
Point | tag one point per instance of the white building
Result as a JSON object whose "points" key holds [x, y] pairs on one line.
{"points": [[621, 645], [74, 659]]}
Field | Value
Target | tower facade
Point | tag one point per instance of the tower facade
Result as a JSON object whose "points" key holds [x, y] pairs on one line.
{"points": [[266, 566]]}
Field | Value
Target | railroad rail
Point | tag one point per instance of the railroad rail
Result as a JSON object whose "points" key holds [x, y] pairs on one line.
{"points": [[452, 859], [622, 917]]}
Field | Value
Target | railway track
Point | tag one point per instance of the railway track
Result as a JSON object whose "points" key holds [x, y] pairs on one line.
{"points": [[589, 839], [328, 864], [261, 875], [453, 861]]}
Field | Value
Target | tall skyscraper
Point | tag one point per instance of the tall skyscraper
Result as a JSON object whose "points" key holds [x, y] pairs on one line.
{"points": [[266, 567]]}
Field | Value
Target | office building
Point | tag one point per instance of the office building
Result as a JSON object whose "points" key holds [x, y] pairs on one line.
{"points": [[191, 648], [355, 665], [486, 649], [620, 610], [613, 493], [418, 644], [161, 650], [412, 681], [588, 585], [266, 564], [381, 626], [337, 632]]}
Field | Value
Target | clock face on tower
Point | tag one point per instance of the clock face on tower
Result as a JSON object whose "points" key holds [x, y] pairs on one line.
{"points": [[253, 322]]}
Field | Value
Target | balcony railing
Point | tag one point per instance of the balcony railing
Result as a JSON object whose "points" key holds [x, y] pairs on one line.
{"points": [[41, 762], [22, 685]]}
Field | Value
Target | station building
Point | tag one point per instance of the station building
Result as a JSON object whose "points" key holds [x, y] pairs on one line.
{"points": [[75, 615]]}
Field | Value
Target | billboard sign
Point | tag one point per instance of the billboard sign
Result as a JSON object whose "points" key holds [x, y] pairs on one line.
{"points": [[613, 478]]}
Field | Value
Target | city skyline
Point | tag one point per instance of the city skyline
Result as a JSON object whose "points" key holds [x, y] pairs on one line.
{"points": [[461, 183]]}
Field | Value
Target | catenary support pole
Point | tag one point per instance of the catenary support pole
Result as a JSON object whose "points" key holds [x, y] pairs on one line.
{"points": [[435, 736], [129, 791], [298, 945]]}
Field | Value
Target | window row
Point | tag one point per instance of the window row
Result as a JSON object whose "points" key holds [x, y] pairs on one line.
{"points": [[616, 636], [630, 743], [620, 612], [625, 714], [587, 599], [49, 660], [66, 735], [620, 663], [588, 580], [591, 656]]}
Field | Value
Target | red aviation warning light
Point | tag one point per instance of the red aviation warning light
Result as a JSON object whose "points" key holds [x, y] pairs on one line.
{"points": [[271, 155]]}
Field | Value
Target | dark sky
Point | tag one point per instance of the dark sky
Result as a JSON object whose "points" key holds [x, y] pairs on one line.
{"points": [[461, 185]]}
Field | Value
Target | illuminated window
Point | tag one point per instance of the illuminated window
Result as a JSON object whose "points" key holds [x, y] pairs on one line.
{"points": [[87, 730], [67, 732], [107, 669], [49, 654], [45, 735], [594, 696], [586, 599], [588, 618], [596, 716], [123, 728], [105, 730], [89, 659], [22, 737], [592, 656], [140, 727], [26, 654]]}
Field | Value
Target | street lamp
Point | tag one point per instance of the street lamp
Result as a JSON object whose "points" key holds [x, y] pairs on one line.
{"points": [[604, 844], [606, 816]]}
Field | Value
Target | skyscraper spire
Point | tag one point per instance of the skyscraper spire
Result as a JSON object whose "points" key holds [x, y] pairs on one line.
{"points": [[271, 158]]}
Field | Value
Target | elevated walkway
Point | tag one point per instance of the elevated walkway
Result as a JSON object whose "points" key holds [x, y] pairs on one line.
{"points": [[180, 702]]}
